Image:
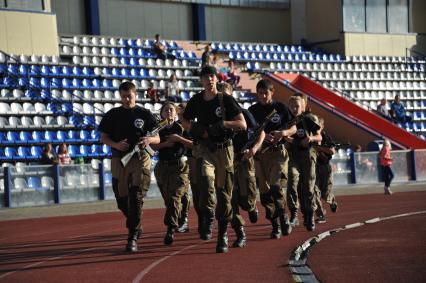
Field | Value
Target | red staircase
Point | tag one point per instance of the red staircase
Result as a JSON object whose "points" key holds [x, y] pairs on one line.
{"points": [[344, 118]]}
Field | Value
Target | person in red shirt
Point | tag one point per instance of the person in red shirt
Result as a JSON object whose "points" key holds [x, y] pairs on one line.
{"points": [[385, 164], [152, 93]]}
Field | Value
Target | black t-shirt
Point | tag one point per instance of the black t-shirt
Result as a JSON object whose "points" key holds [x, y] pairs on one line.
{"points": [[278, 121], [208, 113], [327, 141], [177, 150], [240, 139], [305, 126], [120, 123]]}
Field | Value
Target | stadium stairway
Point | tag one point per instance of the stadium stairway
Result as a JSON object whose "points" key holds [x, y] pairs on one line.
{"points": [[345, 119]]}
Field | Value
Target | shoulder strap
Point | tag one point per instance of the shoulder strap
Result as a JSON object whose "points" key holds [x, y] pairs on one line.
{"points": [[222, 106]]}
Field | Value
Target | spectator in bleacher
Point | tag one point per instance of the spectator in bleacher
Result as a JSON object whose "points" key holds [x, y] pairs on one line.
{"points": [[207, 56], [160, 49], [233, 78], [385, 164], [122, 128], [63, 155], [382, 109], [152, 93], [48, 155], [221, 72], [398, 111], [172, 90]]}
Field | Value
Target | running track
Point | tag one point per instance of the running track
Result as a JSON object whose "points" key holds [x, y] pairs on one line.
{"points": [[89, 248]]}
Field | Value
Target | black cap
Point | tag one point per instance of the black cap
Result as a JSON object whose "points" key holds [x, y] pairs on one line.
{"points": [[208, 70]]}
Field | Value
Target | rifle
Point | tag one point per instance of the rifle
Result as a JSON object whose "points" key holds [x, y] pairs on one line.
{"points": [[256, 133], [290, 123], [137, 149]]}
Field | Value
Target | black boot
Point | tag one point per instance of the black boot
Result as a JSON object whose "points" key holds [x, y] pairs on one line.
{"points": [[309, 221], [294, 221], [132, 241], [140, 232], [241, 240], [222, 237], [168, 238], [200, 224], [208, 226], [320, 216], [276, 230], [285, 224], [183, 225], [253, 215]]}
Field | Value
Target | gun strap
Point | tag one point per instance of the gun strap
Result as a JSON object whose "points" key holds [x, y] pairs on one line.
{"points": [[221, 104]]}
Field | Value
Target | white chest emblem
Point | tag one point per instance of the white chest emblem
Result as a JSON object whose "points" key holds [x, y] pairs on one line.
{"points": [[276, 119], [139, 123], [218, 112]]}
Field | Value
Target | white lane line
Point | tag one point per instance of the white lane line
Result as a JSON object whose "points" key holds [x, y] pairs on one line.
{"points": [[141, 274], [146, 270], [297, 262]]}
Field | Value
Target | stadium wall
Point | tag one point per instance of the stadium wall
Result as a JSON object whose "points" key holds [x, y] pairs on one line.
{"points": [[145, 19], [70, 16], [248, 25], [28, 33]]}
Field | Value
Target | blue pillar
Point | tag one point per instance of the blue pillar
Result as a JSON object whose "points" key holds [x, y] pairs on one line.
{"points": [[352, 162], [101, 181], [199, 21], [413, 165], [7, 187], [93, 25], [56, 184]]}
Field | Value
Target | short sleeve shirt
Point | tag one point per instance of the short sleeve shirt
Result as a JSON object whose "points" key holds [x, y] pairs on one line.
{"points": [[208, 113], [305, 126], [240, 139], [178, 149], [278, 121], [131, 124]]}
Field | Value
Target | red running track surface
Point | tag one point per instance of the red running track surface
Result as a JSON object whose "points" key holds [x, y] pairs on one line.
{"points": [[89, 248]]}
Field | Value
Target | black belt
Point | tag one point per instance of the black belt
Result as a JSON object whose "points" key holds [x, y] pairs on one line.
{"points": [[224, 144], [275, 148], [171, 162]]}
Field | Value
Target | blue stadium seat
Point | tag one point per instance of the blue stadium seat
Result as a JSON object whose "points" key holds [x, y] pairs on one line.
{"points": [[66, 71], [185, 96], [76, 71], [87, 72], [49, 136], [45, 83], [12, 137], [125, 61], [25, 137], [23, 70], [95, 135], [37, 136], [36, 151], [95, 150], [61, 136], [85, 150], [35, 70], [73, 151], [73, 136], [45, 70], [84, 135], [89, 121], [35, 83], [3, 138], [106, 150], [66, 83], [55, 83], [55, 71], [76, 83], [45, 94], [10, 153], [76, 120], [23, 153], [2, 154], [34, 183], [66, 108]]}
